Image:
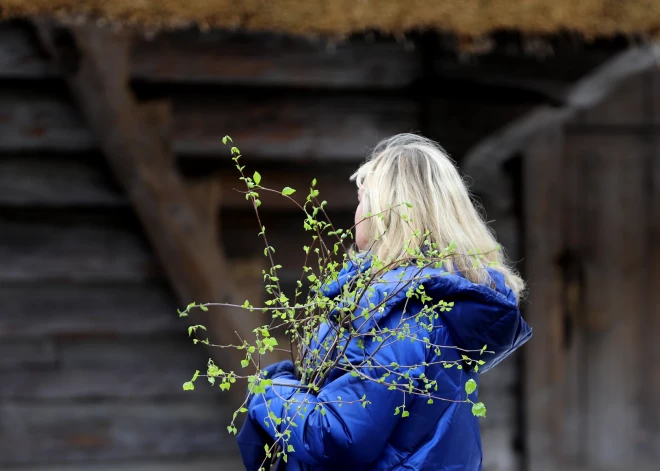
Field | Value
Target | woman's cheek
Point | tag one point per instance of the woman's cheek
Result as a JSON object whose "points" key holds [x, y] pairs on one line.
{"points": [[360, 229]]}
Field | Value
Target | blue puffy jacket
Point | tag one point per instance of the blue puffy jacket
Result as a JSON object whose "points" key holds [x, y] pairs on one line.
{"points": [[441, 436]]}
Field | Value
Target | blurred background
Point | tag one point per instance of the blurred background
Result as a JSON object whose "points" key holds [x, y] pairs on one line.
{"points": [[117, 207]]}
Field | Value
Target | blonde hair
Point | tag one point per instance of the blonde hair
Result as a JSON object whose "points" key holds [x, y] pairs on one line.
{"points": [[413, 184]]}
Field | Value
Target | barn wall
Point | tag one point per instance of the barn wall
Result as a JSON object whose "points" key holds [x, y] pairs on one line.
{"points": [[592, 228], [92, 353]]}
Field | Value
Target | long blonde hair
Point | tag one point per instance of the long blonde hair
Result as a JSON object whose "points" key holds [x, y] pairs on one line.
{"points": [[411, 169]]}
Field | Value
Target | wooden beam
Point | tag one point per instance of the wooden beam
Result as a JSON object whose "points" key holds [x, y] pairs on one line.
{"points": [[484, 161], [95, 65], [235, 58], [52, 181], [313, 126]]}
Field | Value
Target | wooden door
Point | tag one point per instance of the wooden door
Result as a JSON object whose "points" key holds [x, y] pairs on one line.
{"points": [[592, 258]]}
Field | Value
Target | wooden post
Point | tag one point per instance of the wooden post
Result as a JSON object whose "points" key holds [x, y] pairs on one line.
{"points": [[180, 223]]}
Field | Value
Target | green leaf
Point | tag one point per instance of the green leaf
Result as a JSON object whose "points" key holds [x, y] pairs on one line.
{"points": [[225, 139], [408, 204], [244, 363], [288, 191], [405, 414], [314, 182], [290, 449], [257, 178], [479, 409], [188, 386], [470, 386]]}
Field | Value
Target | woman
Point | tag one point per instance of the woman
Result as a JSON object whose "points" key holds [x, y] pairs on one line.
{"points": [[440, 436]]}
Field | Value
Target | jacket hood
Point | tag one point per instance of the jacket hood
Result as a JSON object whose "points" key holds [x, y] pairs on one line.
{"points": [[481, 316]]}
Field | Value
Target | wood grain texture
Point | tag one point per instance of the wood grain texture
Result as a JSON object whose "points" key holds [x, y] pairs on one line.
{"points": [[225, 463], [52, 181], [289, 126], [616, 270], [120, 368], [21, 354], [223, 57], [43, 433], [573, 297], [544, 364], [75, 253], [69, 309], [135, 140]]}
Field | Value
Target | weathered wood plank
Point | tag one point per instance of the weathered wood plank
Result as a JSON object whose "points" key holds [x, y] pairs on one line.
{"points": [[224, 463], [268, 59], [84, 252], [40, 433], [44, 121], [30, 181], [228, 58], [121, 368], [20, 56], [101, 384], [22, 354], [55, 181], [573, 287], [284, 127], [137, 352], [36, 310], [544, 357], [40, 251], [616, 269]]}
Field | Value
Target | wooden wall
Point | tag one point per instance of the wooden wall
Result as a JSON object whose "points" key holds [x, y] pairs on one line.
{"points": [[92, 355], [592, 212]]}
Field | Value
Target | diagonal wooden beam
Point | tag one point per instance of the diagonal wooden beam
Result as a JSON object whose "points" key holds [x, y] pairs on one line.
{"points": [[180, 223]]}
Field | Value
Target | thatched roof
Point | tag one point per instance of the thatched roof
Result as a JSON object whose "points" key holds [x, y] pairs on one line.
{"points": [[340, 17]]}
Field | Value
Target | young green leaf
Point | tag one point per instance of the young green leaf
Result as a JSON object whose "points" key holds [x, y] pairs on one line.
{"points": [[479, 409], [244, 363], [288, 191], [470, 386], [257, 178]]}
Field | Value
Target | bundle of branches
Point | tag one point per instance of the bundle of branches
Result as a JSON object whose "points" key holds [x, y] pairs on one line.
{"points": [[339, 300]]}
